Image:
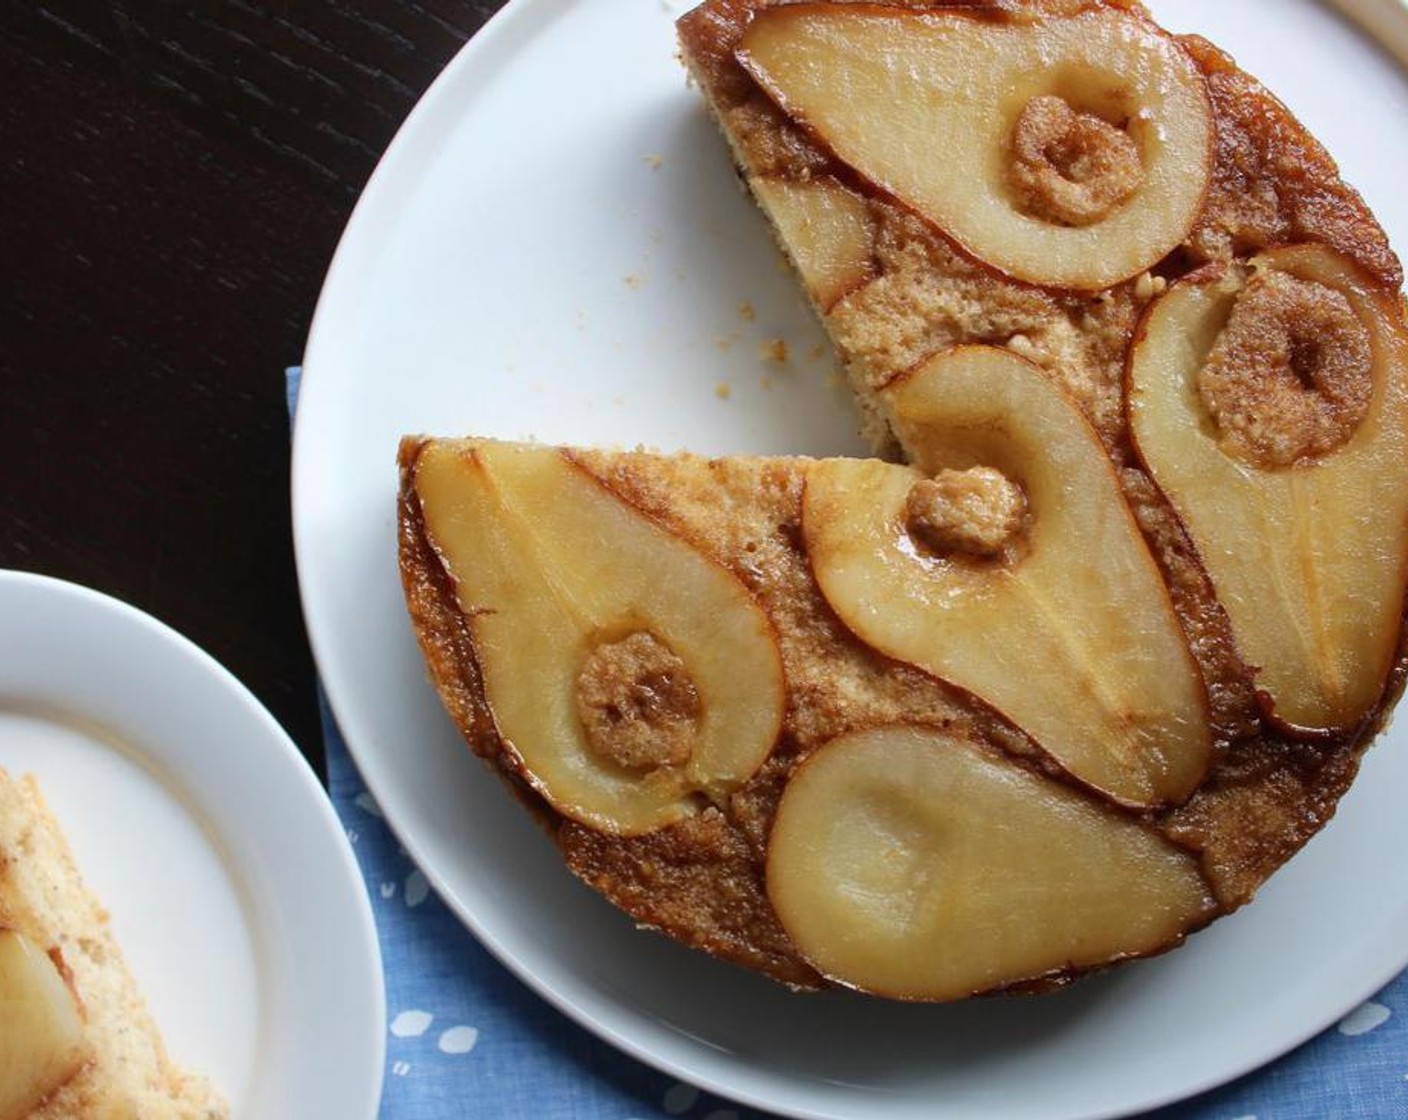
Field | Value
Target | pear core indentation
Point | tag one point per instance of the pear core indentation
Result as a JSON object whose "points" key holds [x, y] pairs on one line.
{"points": [[1289, 378], [637, 703], [977, 513], [1071, 167]]}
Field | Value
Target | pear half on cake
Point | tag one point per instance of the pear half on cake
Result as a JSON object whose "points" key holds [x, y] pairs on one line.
{"points": [[1092, 645], [1072, 153], [627, 674], [1117, 700], [1270, 402]]}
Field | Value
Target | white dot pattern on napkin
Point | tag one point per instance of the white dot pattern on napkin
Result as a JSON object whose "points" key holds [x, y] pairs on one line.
{"points": [[1365, 1018], [458, 1040], [411, 1024], [367, 803]]}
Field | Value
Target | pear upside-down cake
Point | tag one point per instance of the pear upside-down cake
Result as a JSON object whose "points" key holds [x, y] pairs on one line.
{"points": [[1095, 643]]}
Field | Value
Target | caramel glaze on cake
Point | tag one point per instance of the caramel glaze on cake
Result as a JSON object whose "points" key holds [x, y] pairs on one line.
{"points": [[1269, 787]]}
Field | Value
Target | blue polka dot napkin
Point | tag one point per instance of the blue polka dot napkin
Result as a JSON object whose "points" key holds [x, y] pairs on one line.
{"points": [[465, 1038]]}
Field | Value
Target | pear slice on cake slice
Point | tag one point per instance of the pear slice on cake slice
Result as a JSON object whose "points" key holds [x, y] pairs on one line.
{"points": [[908, 863], [1270, 403], [827, 231], [1006, 562], [42, 1045], [628, 675], [1073, 152]]}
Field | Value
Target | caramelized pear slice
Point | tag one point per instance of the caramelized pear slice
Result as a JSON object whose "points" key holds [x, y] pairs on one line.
{"points": [[1065, 626], [827, 230], [41, 1033], [1271, 407], [628, 673], [1072, 152], [905, 862]]}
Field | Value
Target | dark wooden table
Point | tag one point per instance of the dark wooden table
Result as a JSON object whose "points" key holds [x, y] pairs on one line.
{"points": [[173, 181]]}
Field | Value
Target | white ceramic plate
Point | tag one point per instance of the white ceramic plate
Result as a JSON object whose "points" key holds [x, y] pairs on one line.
{"points": [[194, 819], [554, 246]]}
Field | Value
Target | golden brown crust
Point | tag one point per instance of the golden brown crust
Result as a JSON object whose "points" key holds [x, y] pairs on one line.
{"points": [[698, 881], [442, 630], [1273, 183]]}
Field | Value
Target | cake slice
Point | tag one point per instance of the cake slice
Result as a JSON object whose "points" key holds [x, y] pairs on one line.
{"points": [[76, 1039], [1030, 173], [1093, 645]]}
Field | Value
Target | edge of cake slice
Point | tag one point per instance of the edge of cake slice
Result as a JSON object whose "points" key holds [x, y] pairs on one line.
{"points": [[43, 899]]}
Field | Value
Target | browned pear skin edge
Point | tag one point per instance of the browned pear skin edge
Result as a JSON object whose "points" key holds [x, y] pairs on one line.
{"points": [[56, 957], [872, 273], [447, 644], [1055, 767], [1054, 979], [1045, 984], [980, 11], [63, 1084], [1361, 732]]}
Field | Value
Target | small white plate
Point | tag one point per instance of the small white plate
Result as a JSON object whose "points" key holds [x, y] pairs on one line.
{"points": [[196, 822], [555, 246]]}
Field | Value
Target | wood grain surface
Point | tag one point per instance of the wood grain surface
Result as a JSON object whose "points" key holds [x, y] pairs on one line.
{"points": [[173, 181]]}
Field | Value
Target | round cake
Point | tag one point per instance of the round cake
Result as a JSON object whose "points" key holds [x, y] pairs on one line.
{"points": [[1096, 641]]}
